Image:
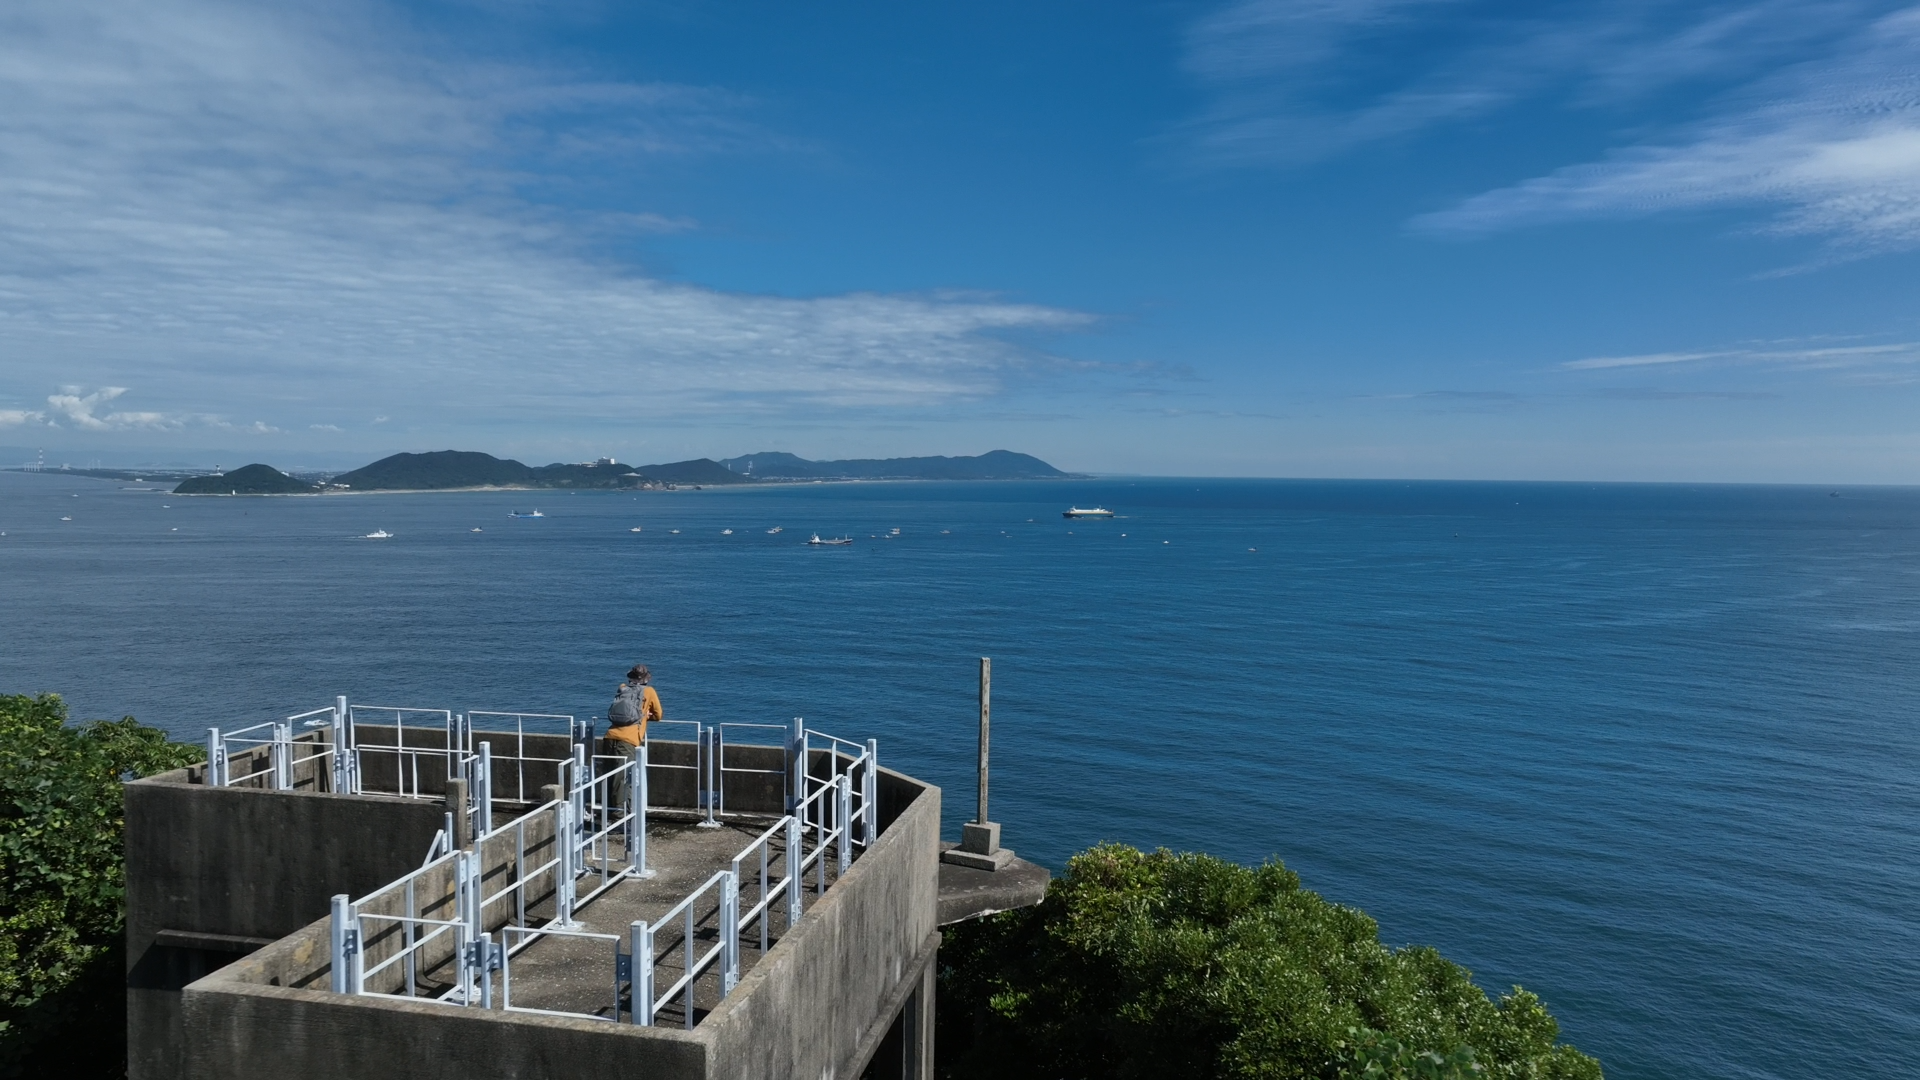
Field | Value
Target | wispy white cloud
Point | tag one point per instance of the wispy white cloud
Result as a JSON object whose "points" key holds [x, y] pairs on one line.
{"points": [[1833, 144], [247, 210], [1646, 360], [1822, 357], [1295, 80]]}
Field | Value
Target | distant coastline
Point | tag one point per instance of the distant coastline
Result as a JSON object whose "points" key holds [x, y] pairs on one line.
{"points": [[466, 470]]}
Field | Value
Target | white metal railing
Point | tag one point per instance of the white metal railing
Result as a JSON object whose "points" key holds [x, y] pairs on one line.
{"points": [[448, 758], [284, 751], [771, 885], [477, 723], [856, 761], [647, 1000], [739, 734], [597, 830]]}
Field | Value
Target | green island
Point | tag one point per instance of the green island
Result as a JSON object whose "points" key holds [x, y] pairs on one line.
{"points": [[251, 480], [1137, 964]]}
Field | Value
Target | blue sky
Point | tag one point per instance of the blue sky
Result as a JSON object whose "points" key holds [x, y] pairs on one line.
{"points": [[1407, 238]]}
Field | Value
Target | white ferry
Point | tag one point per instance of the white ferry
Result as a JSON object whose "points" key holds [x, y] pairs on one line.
{"points": [[518, 514], [1076, 512]]}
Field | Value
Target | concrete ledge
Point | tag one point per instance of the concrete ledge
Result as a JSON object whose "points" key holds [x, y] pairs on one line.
{"points": [[190, 939], [969, 893]]}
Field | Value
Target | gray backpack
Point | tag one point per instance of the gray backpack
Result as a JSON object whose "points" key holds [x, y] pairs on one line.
{"points": [[628, 701]]}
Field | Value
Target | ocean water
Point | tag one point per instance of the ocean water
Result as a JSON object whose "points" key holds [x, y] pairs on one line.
{"points": [[1649, 751]]}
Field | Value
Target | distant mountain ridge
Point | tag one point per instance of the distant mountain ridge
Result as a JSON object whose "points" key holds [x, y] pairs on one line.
{"points": [[441, 470], [447, 470], [993, 465]]}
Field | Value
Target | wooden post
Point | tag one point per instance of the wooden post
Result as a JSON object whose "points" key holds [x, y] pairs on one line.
{"points": [[986, 698]]}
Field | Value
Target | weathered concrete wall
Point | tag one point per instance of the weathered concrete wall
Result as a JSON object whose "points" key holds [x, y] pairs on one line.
{"points": [[822, 998], [245, 1020], [811, 1006], [242, 863]]}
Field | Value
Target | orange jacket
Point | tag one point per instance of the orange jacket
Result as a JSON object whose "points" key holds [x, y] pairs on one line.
{"points": [[635, 734]]}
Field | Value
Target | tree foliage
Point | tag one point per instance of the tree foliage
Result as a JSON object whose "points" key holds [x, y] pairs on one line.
{"points": [[1163, 964], [61, 871]]}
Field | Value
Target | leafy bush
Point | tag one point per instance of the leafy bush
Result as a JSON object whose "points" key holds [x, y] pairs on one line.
{"points": [[62, 901], [1163, 965]]}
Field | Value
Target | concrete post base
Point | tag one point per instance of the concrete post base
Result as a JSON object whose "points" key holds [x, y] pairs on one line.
{"points": [[963, 857]]}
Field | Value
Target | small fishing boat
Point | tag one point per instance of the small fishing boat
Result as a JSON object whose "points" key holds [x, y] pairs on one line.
{"points": [[1076, 512], [476, 528], [726, 532], [841, 541], [636, 528], [66, 519], [895, 532], [675, 532], [518, 514], [378, 534], [775, 529]]}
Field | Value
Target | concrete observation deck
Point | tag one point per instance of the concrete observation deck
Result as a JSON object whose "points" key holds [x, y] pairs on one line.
{"points": [[234, 868]]}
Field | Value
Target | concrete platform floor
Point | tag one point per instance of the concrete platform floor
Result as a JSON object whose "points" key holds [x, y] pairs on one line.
{"points": [[575, 974]]}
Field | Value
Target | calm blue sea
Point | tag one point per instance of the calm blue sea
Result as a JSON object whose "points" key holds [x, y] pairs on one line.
{"points": [[1649, 751]]}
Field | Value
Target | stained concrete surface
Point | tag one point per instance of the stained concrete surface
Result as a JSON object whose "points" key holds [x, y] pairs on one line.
{"points": [[967, 893]]}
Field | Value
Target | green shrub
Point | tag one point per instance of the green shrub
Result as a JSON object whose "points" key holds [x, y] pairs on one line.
{"points": [[1184, 965], [62, 901]]}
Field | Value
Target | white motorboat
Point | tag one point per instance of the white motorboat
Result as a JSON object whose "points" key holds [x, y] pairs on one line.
{"points": [[1076, 512], [378, 534], [775, 530], [476, 528], [726, 532], [841, 541], [636, 528], [518, 514]]}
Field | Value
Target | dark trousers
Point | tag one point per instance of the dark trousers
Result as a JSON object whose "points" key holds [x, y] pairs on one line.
{"points": [[617, 784]]}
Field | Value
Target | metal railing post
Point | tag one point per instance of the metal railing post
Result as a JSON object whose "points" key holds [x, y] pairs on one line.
{"points": [[457, 740], [486, 969], [637, 813], [806, 764], [578, 783], [705, 764], [843, 810], [280, 756], [640, 936], [216, 759], [796, 765], [342, 755], [483, 789], [563, 869], [345, 947], [730, 933], [796, 876], [467, 927], [870, 794]]}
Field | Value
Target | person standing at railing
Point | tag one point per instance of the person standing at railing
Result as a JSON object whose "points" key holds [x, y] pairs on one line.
{"points": [[634, 704]]}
